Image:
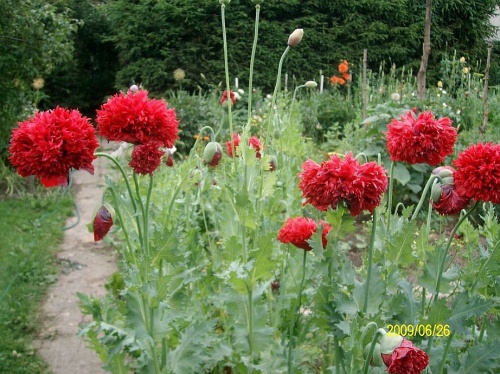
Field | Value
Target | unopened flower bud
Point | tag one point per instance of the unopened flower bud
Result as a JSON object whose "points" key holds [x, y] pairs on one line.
{"points": [[134, 88], [212, 154], [273, 163], [103, 222], [389, 342], [310, 84], [443, 171], [295, 37], [436, 192]]}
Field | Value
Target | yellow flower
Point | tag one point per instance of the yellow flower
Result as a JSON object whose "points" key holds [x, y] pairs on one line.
{"points": [[440, 84], [465, 70], [462, 60]]}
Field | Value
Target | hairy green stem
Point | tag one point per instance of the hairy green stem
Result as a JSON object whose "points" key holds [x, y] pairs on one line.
{"points": [[428, 185], [141, 205], [389, 197], [445, 353], [370, 261], [366, 366], [252, 61], [296, 315], [228, 88]]}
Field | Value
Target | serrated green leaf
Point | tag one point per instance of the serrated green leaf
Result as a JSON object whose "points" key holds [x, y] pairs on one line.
{"points": [[264, 266], [410, 304], [438, 313], [465, 307], [401, 173], [431, 272], [269, 183], [375, 295], [481, 358], [399, 248]]}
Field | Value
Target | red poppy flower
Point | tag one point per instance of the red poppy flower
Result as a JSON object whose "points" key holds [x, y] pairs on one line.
{"points": [[299, 230], [450, 202], [420, 138], [146, 158], [253, 142], [232, 96], [51, 143], [405, 358], [477, 174], [102, 223], [134, 118], [359, 186]]}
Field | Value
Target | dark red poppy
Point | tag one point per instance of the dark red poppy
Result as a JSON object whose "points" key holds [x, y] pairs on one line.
{"points": [[406, 359], [420, 138], [134, 118], [146, 158], [102, 223], [477, 174], [299, 230], [51, 143], [337, 180]]}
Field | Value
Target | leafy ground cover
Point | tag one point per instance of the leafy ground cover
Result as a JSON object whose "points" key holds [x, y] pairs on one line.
{"points": [[30, 228]]}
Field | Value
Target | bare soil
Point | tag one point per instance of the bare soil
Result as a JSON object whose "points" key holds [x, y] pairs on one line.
{"points": [[84, 267]]}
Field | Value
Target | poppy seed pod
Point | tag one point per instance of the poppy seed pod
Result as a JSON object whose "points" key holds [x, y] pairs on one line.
{"points": [[295, 37], [212, 154]]}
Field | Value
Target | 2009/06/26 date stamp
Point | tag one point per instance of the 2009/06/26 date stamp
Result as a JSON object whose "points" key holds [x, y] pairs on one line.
{"points": [[419, 330]]}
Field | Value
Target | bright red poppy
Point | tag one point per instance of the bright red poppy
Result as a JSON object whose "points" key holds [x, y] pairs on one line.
{"points": [[146, 158], [298, 231]]}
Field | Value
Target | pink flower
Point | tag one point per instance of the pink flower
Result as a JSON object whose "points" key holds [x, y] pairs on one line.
{"points": [[420, 138], [134, 118], [146, 158], [299, 230], [477, 173], [51, 143]]}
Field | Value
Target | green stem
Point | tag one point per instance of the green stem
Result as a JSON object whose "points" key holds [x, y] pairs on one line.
{"points": [[370, 352], [424, 194], [296, 314], [145, 218], [252, 61], [447, 248], [370, 261], [250, 318], [228, 88], [484, 266], [212, 135], [293, 99], [141, 205], [445, 353], [389, 197], [337, 354]]}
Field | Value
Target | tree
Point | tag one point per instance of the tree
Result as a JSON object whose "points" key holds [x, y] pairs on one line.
{"points": [[34, 37]]}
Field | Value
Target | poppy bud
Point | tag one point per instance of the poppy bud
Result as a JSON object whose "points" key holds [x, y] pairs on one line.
{"points": [[443, 171], [170, 160], [295, 37], [134, 88], [212, 154], [310, 84], [102, 223], [273, 162], [436, 192]]}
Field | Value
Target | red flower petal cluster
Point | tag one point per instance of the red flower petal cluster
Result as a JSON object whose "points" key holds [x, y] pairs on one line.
{"points": [[361, 187], [146, 158], [253, 142], [134, 118], [102, 223], [232, 96], [406, 359], [477, 173], [444, 196], [299, 230], [420, 138], [50, 143]]}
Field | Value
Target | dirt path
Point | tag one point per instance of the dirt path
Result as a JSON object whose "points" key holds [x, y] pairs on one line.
{"points": [[85, 267]]}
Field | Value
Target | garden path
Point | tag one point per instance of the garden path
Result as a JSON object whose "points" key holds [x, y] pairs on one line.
{"points": [[84, 267]]}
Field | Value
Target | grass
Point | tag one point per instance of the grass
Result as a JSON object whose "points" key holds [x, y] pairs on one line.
{"points": [[31, 227]]}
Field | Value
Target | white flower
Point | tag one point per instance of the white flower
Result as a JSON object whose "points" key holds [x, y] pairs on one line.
{"points": [[395, 96], [240, 91]]}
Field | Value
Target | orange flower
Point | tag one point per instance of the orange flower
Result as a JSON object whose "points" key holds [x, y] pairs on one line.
{"points": [[337, 80], [344, 66], [346, 76], [207, 138]]}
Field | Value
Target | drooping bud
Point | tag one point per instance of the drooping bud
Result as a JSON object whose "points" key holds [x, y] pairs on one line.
{"points": [[295, 37], [212, 154], [273, 163], [310, 84], [102, 222], [436, 192], [443, 171]]}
